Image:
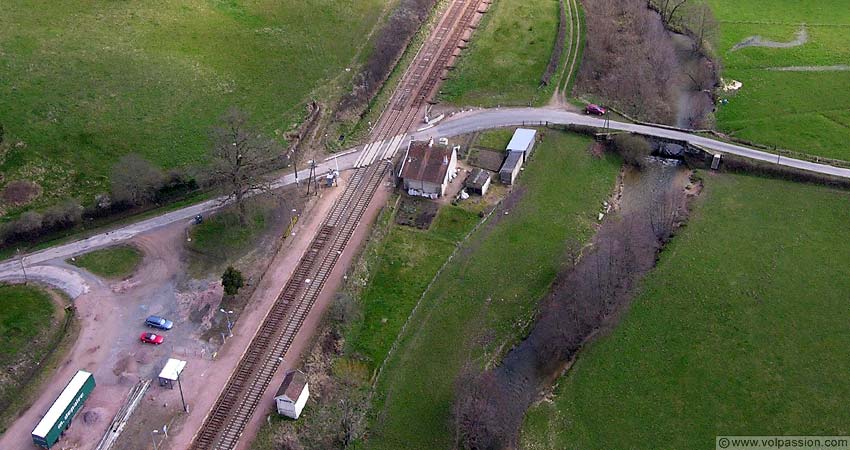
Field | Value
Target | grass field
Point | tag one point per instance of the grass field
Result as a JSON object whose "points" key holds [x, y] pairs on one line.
{"points": [[507, 56], [496, 139], [31, 329], [113, 262], [405, 263], [493, 283], [396, 265], [802, 111], [220, 239], [83, 83], [741, 330]]}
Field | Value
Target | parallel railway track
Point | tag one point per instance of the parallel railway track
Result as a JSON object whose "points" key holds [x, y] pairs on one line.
{"points": [[243, 392]]}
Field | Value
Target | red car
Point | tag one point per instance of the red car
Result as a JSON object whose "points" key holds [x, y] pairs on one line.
{"points": [[595, 109], [151, 338]]}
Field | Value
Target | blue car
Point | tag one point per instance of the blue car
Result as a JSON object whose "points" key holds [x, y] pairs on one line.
{"points": [[159, 322]]}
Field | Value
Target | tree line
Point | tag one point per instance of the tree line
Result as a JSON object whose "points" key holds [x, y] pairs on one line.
{"points": [[239, 157]]}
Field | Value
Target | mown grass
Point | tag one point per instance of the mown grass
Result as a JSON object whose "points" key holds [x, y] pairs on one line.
{"points": [[113, 262], [34, 333], [220, 239], [495, 139], [405, 263], [741, 330], [83, 84], [507, 56], [800, 111], [25, 312], [493, 283]]}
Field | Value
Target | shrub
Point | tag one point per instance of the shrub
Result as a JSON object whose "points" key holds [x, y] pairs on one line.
{"points": [[390, 44], [232, 280], [134, 180], [29, 224], [586, 130], [62, 216], [633, 148]]}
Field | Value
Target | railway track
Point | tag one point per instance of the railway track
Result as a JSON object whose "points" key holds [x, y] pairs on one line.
{"points": [[243, 392], [421, 80]]}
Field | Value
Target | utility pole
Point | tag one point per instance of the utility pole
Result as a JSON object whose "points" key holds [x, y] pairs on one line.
{"points": [[312, 177], [182, 399], [20, 255]]}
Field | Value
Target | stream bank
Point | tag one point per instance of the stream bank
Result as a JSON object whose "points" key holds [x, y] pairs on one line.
{"points": [[587, 297]]}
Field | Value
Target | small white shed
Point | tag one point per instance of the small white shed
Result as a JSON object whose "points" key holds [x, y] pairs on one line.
{"points": [[171, 372], [522, 141], [292, 395]]}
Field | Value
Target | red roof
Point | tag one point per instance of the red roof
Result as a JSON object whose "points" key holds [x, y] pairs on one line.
{"points": [[426, 162], [293, 384]]}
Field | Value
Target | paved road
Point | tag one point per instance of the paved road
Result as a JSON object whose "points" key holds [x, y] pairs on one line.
{"points": [[466, 122], [10, 270], [483, 119]]}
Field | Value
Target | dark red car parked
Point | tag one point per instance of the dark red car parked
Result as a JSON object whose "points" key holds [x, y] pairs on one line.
{"points": [[595, 110]]}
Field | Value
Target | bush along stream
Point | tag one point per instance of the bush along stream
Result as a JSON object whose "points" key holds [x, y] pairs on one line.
{"points": [[588, 295]]}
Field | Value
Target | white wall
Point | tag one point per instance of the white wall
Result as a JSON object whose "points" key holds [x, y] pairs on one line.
{"points": [[290, 409]]}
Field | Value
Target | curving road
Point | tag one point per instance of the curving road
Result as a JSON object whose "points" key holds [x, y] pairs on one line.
{"points": [[465, 122], [477, 120], [73, 285]]}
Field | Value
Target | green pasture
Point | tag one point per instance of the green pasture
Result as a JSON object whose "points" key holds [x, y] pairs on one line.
{"points": [[82, 83], [507, 56], [740, 330], [493, 284], [805, 111]]}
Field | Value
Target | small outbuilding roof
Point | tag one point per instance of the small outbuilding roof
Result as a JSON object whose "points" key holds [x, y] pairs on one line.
{"points": [[426, 161], [172, 369], [513, 159], [522, 139], [293, 384], [477, 178]]}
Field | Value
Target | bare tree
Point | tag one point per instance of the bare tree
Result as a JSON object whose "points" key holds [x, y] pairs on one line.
{"points": [[240, 155], [699, 20], [135, 180], [669, 8]]}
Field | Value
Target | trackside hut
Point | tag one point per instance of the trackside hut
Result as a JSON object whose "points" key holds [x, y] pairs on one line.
{"points": [[427, 168], [292, 394], [58, 417]]}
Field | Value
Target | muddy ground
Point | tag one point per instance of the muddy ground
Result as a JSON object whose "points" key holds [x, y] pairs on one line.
{"points": [[111, 317], [195, 303]]}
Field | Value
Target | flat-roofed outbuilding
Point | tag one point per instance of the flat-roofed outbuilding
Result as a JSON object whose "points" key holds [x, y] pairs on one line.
{"points": [[523, 141]]}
